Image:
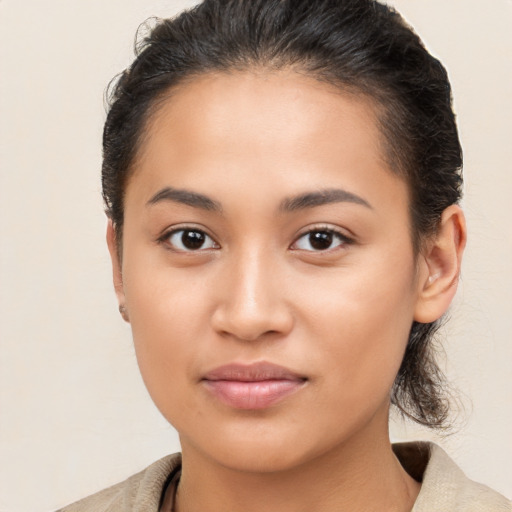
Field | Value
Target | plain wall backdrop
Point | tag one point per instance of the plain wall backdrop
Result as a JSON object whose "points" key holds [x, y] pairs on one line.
{"points": [[74, 414]]}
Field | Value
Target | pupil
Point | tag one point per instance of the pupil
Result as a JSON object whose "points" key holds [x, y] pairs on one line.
{"points": [[192, 239], [320, 240]]}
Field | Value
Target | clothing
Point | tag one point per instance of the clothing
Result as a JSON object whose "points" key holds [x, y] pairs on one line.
{"points": [[444, 488]]}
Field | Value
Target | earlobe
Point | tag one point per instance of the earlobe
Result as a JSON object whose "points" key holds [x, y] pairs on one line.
{"points": [[117, 274], [441, 264]]}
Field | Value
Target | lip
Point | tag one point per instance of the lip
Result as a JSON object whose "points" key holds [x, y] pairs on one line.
{"points": [[252, 386]]}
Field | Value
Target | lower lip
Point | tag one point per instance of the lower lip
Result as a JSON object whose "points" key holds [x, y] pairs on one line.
{"points": [[252, 395]]}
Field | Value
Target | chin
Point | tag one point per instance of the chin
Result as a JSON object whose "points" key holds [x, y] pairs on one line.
{"points": [[253, 448]]}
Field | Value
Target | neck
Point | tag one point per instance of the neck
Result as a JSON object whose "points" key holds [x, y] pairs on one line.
{"points": [[362, 474]]}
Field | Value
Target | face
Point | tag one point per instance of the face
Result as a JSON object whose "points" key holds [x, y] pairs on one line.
{"points": [[267, 268]]}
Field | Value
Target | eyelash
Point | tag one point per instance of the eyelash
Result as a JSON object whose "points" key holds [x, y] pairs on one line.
{"points": [[165, 239], [335, 234], [343, 239]]}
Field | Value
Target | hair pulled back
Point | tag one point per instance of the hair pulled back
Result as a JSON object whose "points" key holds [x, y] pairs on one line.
{"points": [[360, 46]]}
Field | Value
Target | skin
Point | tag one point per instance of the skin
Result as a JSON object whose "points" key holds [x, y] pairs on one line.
{"points": [[258, 291]]}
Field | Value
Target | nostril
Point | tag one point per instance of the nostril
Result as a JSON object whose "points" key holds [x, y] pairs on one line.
{"points": [[248, 327], [260, 336]]}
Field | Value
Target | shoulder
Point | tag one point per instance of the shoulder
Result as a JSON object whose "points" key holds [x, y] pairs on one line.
{"points": [[445, 487], [140, 493]]}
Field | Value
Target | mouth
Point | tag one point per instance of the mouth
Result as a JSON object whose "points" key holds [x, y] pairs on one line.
{"points": [[254, 386]]}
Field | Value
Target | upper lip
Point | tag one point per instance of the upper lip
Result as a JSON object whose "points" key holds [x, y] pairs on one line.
{"points": [[252, 372]]}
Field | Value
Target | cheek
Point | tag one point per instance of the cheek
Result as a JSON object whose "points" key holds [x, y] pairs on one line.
{"points": [[361, 326], [169, 320], [165, 303]]}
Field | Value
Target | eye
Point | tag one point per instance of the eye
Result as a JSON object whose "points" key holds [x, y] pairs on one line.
{"points": [[320, 240], [189, 240]]}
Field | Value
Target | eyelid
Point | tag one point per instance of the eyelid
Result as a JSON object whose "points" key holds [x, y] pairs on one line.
{"points": [[328, 228], [163, 239]]}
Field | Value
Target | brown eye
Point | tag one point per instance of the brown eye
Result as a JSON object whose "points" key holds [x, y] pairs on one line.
{"points": [[188, 240], [320, 240]]}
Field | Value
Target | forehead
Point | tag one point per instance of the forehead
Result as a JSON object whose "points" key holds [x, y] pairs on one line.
{"points": [[281, 127], [261, 107]]}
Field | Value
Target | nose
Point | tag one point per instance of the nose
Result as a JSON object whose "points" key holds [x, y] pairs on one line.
{"points": [[252, 301]]}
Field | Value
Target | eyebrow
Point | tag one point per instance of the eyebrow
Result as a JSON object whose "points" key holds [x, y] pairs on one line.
{"points": [[312, 199], [291, 204], [185, 197]]}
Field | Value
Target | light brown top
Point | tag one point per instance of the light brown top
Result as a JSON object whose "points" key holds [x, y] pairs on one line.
{"points": [[444, 487]]}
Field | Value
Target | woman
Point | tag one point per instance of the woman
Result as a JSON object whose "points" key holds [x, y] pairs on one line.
{"points": [[282, 181]]}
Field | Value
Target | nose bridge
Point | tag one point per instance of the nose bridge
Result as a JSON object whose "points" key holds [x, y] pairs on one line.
{"points": [[252, 302], [254, 278]]}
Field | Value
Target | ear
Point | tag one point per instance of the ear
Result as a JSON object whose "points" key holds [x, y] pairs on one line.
{"points": [[117, 274], [440, 267]]}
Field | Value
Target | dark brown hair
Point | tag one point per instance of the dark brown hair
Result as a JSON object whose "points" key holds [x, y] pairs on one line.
{"points": [[360, 46]]}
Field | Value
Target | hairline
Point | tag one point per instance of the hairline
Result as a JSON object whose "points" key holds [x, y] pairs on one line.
{"points": [[376, 98]]}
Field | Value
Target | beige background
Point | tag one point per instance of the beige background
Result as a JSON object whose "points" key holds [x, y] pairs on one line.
{"points": [[74, 416]]}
